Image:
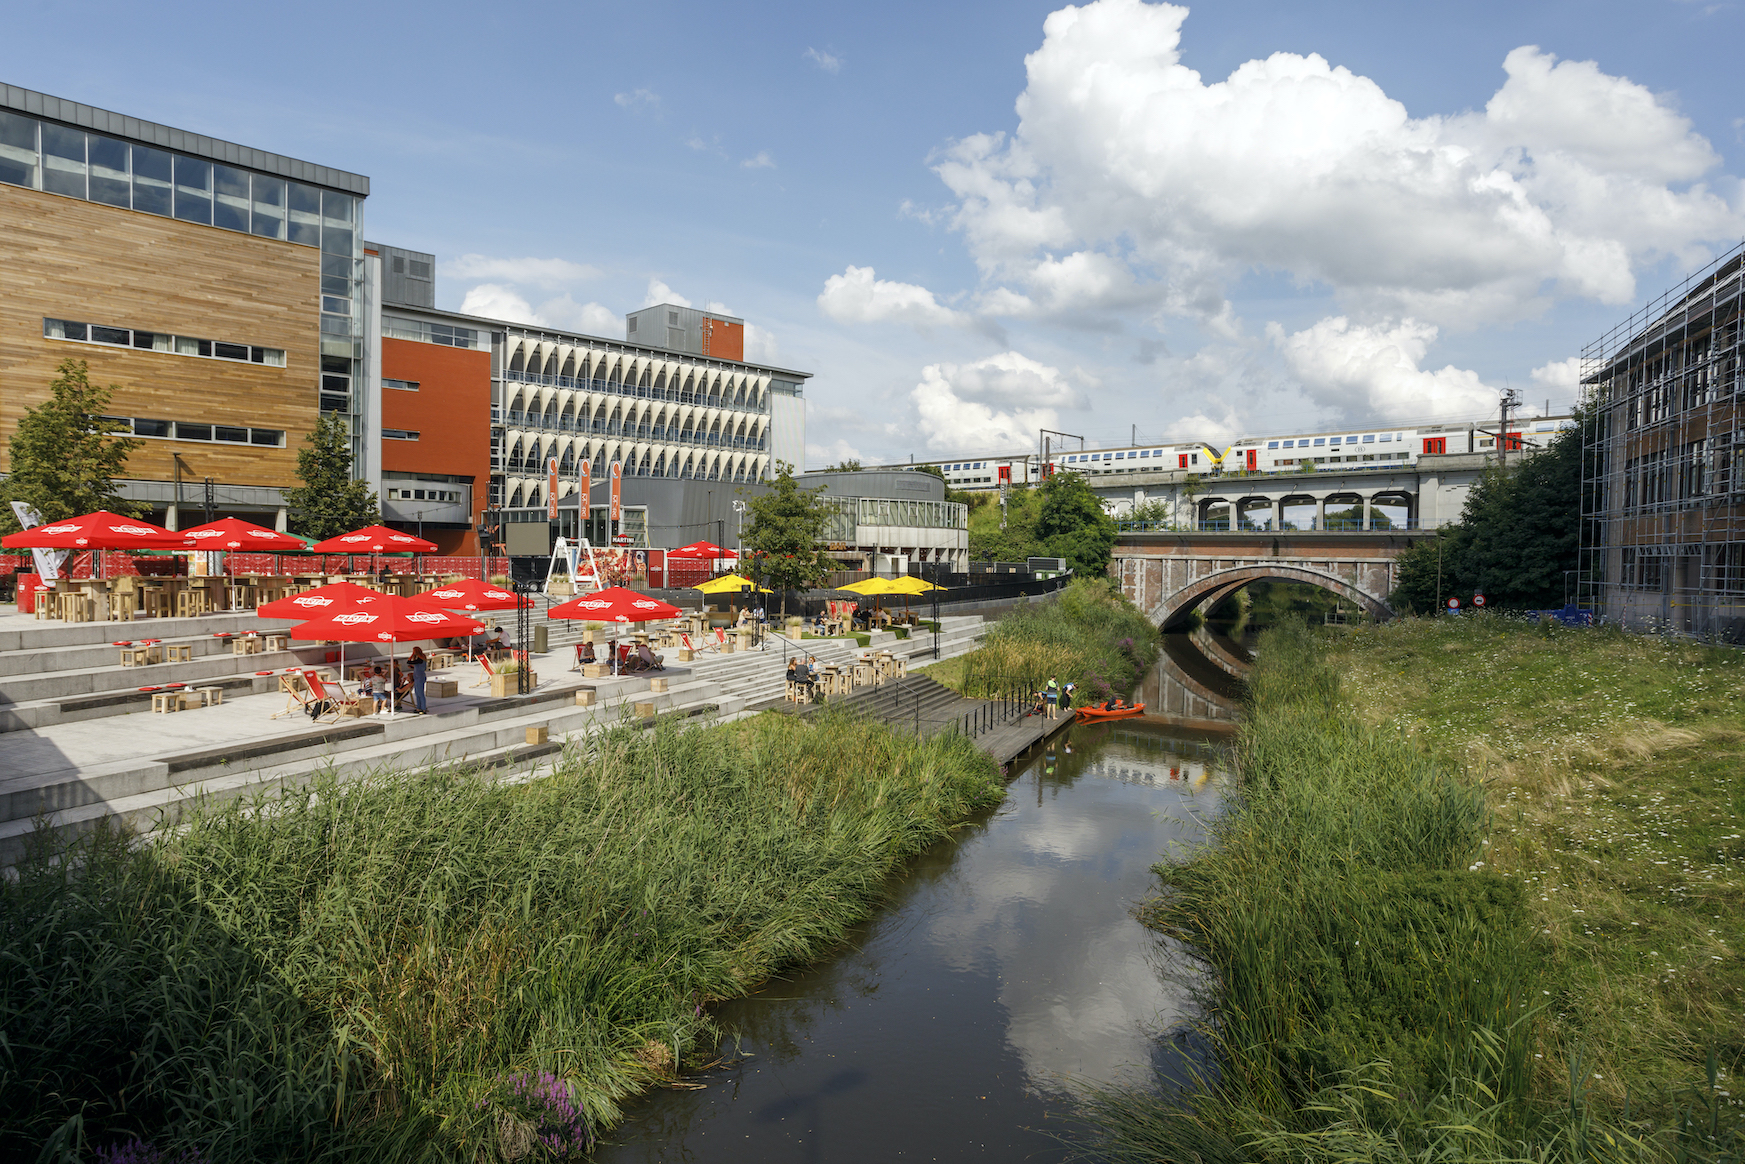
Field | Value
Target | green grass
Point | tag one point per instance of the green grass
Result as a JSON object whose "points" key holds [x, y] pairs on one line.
{"points": [[1612, 764], [378, 970], [1419, 914], [1090, 635]]}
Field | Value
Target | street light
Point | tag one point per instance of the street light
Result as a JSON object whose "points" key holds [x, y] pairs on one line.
{"points": [[739, 538]]}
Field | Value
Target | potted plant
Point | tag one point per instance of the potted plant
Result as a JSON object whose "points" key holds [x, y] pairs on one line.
{"points": [[505, 680]]}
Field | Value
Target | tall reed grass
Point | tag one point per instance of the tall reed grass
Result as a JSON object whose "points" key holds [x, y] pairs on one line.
{"points": [[438, 966], [1090, 635], [1375, 995]]}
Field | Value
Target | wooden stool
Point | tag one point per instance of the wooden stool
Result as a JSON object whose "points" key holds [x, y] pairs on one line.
{"points": [[190, 603], [210, 696], [164, 702], [187, 697], [135, 656], [278, 642], [246, 645], [179, 654]]}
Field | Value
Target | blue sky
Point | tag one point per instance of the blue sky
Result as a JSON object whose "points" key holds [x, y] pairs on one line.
{"points": [[1385, 233]]}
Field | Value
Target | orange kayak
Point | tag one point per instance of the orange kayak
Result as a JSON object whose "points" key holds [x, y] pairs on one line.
{"points": [[1097, 712]]}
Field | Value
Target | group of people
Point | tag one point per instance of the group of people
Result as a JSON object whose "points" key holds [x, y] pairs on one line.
{"points": [[1053, 697], [805, 673], [396, 682]]}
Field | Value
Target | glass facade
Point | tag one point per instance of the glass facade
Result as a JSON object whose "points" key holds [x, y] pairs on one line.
{"points": [[43, 155]]}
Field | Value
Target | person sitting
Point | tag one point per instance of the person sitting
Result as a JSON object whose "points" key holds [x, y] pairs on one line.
{"points": [[376, 683], [648, 659], [1114, 704], [1041, 707], [495, 647], [585, 654], [818, 624]]}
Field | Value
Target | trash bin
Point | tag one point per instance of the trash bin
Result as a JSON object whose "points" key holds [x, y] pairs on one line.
{"points": [[539, 647]]}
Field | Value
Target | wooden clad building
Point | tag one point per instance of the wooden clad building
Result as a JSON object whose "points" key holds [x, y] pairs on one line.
{"points": [[218, 288]]}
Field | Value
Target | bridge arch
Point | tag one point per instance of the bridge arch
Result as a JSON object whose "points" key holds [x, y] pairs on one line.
{"points": [[1208, 590]]}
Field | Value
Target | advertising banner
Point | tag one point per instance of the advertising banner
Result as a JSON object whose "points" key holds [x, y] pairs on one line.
{"points": [[584, 491], [617, 513], [551, 488]]}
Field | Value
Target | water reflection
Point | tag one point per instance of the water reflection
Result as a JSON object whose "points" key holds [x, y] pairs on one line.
{"points": [[1006, 963]]}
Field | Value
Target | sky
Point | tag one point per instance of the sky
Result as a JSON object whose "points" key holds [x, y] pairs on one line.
{"points": [[971, 222]]}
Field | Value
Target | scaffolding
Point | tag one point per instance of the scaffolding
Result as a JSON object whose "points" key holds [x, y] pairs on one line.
{"points": [[1663, 465]]}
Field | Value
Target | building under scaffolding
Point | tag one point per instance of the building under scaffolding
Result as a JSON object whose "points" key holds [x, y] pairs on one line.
{"points": [[1663, 489]]}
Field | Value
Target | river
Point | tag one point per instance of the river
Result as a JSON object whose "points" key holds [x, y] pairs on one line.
{"points": [[1006, 964]]}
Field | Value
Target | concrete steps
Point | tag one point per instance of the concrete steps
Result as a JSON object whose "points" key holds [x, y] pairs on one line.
{"points": [[150, 793]]}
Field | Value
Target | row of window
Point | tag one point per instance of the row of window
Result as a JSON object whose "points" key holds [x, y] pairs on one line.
{"points": [[41, 155], [396, 327], [400, 385], [152, 341], [1334, 442], [182, 430], [743, 399], [423, 495]]}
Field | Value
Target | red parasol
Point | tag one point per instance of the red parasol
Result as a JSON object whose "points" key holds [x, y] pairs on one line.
{"points": [[375, 539], [472, 594], [390, 619], [702, 550], [322, 602], [94, 531], [615, 604], [232, 533]]}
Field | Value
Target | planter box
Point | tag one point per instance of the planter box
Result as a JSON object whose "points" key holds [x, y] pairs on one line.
{"points": [[584, 699], [685, 656], [503, 686], [538, 735], [645, 711], [441, 688], [658, 686]]}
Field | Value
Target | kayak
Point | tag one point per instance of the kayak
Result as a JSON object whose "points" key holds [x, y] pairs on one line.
{"points": [[1119, 713]]}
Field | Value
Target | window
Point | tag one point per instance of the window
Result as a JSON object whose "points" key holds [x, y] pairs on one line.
{"points": [[63, 161], [109, 180], [269, 207], [304, 222], [1144, 452], [18, 150], [194, 190], [230, 198], [398, 434], [1369, 438], [400, 385], [1319, 441], [1332, 440], [1387, 436], [150, 428], [1274, 445], [150, 341], [193, 432]]}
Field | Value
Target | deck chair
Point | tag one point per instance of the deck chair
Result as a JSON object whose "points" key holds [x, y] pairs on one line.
{"points": [[326, 704], [649, 660], [485, 677], [297, 694], [707, 645]]}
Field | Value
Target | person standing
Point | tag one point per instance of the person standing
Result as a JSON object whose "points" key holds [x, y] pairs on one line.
{"points": [[1052, 694], [1066, 697], [418, 662]]}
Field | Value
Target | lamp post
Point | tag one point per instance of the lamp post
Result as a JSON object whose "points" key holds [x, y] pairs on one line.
{"points": [[739, 537]]}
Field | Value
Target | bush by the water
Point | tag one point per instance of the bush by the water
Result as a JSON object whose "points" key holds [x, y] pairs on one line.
{"points": [[438, 965], [1090, 635]]}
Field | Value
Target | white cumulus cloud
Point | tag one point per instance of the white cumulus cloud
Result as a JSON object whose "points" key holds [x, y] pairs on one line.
{"points": [[759, 161], [1132, 180], [637, 99], [546, 273], [659, 292], [859, 296], [1373, 371], [996, 403], [496, 301], [760, 344]]}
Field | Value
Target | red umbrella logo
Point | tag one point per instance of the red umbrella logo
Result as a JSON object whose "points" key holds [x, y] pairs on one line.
{"points": [[311, 600], [427, 616], [58, 529], [353, 618]]}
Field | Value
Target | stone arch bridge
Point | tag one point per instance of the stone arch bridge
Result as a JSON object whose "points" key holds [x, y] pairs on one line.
{"points": [[1169, 575]]}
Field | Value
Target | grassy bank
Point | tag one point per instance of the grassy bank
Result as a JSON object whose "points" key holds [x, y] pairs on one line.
{"points": [[1435, 921], [1090, 635], [440, 967]]}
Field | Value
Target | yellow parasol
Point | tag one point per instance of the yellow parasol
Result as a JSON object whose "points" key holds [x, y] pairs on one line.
{"points": [[728, 583], [873, 586]]}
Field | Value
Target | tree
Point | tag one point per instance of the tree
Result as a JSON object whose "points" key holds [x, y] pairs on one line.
{"points": [[330, 502], [1071, 524], [787, 523], [1517, 536], [65, 454], [851, 465]]}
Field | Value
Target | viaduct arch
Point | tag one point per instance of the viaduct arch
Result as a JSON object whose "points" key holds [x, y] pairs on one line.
{"points": [[1169, 575]]}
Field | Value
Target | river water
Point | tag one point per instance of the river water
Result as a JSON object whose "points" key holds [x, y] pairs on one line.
{"points": [[1005, 965]]}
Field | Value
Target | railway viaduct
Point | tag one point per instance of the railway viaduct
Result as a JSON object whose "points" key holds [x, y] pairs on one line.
{"points": [[1169, 575]]}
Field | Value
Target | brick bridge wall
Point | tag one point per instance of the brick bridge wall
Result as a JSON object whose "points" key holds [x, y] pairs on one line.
{"points": [[1169, 574]]}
